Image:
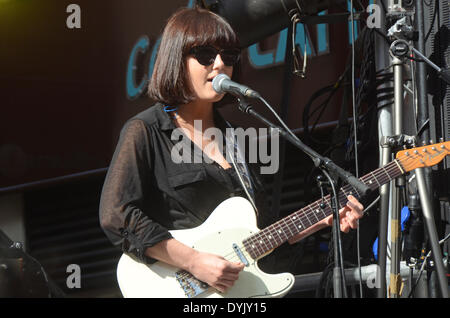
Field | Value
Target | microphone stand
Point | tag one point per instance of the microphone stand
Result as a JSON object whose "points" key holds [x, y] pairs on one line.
{"points": [[327, 166]]}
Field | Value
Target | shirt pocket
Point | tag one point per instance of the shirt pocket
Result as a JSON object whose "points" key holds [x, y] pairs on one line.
{"points": [[188, 187], [184, 178]]}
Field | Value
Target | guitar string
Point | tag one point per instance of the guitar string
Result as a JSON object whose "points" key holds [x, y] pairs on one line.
{"points": [[388, 168], [276, 226]]}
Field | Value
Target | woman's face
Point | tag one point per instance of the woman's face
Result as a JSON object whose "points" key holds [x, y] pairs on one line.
{"points": [[201, 76]]}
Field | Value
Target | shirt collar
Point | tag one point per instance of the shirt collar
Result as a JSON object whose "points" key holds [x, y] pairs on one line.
{"points": [[166, 122]]}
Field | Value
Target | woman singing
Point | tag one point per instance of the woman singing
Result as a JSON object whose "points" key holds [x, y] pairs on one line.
{"points": [[146, 193]]}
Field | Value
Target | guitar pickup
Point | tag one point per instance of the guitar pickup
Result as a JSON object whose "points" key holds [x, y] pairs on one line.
{"points": [[239, 253]]}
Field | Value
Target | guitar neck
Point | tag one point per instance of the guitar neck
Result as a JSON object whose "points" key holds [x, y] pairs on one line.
{"points": [[276, 234]]}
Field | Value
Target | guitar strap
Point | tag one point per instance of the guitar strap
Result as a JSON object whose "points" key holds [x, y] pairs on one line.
{"points": [[234, 154]]}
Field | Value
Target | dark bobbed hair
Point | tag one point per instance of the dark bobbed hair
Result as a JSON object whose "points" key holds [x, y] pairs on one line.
{"points": [[186, 28]]}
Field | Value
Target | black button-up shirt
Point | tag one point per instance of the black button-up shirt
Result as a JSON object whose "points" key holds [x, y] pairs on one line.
{"points": [[146, 193]]}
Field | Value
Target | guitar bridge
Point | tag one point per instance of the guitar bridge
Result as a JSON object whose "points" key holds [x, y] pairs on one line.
{"points": [[192, 286]]}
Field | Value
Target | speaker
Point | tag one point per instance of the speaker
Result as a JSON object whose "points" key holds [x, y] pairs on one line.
{"points": [[437, 32]]}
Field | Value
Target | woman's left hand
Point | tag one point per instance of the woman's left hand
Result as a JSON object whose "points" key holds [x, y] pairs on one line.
{"points": [[349, 215]]}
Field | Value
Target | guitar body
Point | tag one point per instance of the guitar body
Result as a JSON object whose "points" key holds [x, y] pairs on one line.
{"points": [[234, 221], [230, 223]]}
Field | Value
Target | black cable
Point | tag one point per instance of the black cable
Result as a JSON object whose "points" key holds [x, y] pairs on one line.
{"points": [[432, 21], [423, 266], [306, 112], [424, 125], [331, 89], [337, 231]]}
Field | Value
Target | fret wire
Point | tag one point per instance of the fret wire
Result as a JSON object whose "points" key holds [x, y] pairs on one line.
{"points": [[300, 219], [313, 213], [379, 185], [273, 238], [367, 180], [304, 218], [381, 173], [279, 230], [262, 240], [357, 193], [254, 243], [347, 189], [278, 233], [291, 222], [284, 220], [270, 239], [385, 170], [298, 222], [249, 249], [296, 219], [396, 168], [318, 208], [306, 215], [299, 225], [342, 189]]}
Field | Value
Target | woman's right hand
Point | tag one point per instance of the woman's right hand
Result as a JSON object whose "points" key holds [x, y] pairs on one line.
{"points": [[215, 270]]}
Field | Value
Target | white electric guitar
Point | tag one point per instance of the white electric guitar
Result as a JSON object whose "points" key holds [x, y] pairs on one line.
{"points": [[231, 231]]}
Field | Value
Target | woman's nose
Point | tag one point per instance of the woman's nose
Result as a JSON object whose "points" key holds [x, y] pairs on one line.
{"points": [[218, 62]]}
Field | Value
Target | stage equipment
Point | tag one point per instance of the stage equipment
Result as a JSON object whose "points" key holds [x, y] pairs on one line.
{"points": [[335, 175], [21, 276], [370, 276], [254, 20], [437, 49], [401, 36]]}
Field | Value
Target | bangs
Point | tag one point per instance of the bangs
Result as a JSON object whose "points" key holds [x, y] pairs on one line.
{"points": [[184, 30], [208, 28]]}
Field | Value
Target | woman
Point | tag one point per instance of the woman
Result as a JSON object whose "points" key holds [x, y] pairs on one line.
{"points": [[145, 192]]}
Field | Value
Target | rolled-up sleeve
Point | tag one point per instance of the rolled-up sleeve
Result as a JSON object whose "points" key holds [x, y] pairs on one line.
{"points": [[127, 187]]}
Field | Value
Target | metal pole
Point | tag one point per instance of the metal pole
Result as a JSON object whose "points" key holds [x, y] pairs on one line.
{"points": [[395, 278], [432, 233], [382, 61], [423, 176]]}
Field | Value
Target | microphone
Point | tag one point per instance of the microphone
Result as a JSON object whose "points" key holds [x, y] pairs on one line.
{"points": [[223, 84]]}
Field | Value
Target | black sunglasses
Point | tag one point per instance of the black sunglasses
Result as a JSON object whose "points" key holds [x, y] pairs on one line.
{"points": [[206, 55]]}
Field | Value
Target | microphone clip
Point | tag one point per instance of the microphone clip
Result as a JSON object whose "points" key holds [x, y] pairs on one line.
{"points": [[244, 105]]}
